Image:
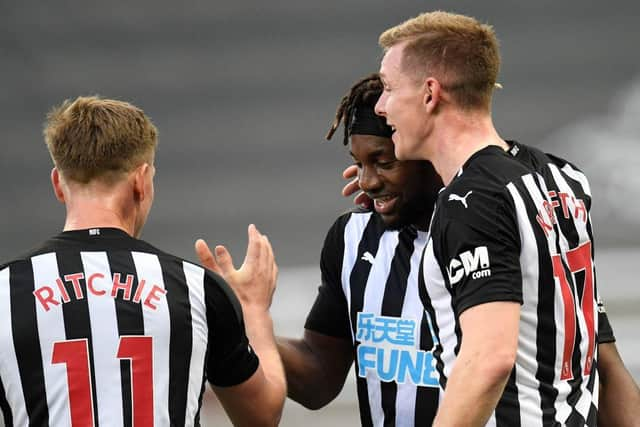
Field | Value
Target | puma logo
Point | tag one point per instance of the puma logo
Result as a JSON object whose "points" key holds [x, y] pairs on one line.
{"points": [[461, 199], [368, 257]]}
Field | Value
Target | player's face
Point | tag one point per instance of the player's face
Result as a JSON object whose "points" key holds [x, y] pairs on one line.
{"points": [[403, 192], [401, 103]]}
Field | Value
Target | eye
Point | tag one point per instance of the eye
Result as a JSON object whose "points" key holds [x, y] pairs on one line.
{"points": [[387, 164]]}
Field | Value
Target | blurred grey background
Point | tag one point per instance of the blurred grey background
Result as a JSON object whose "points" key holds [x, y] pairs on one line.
{"points": [[244, 91]]}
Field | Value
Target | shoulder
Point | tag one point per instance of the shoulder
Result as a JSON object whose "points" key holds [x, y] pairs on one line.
{"points": [[480, 192], [47, 246]]}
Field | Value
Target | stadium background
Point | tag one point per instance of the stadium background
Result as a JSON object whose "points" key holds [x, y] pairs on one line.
{"points": [[244, 91]]}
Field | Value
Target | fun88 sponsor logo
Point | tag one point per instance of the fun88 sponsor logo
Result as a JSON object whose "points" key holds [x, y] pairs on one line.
{"points": [[388, 351]]}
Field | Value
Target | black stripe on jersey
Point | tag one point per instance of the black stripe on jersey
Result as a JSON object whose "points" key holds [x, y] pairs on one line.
{"points": [[358, 282], [568, 229], [592, 418], [508, 408], [130, 322], [76, 314], [394, 293], [180, 345], [546, 329], [426, 413], [4, 407], [26, 341], [425, 298]]}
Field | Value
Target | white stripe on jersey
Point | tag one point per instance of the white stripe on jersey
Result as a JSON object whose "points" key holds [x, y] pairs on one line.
{"points": [[563, 409], [194, 277], [442, 307], [352, 233], [105, 338], [578, 176], [373, 293], [156, 324], [526, 364], [51, 330], [584, 403], [412, 309], [8, 361]]}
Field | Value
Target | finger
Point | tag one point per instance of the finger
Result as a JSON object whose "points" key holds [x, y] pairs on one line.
{"points": [[224, 260], [351, 187], [206, 257], [273, 268], [270, 256], [350, 171], [274, 265], [363, 200], [254, 246]]}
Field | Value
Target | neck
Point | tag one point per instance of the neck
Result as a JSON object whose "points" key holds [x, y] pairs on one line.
{"points": [[91, 210], [464, 134]]}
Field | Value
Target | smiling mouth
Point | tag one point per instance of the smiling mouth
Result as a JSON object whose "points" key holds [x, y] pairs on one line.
{"points": [[385, 204]]}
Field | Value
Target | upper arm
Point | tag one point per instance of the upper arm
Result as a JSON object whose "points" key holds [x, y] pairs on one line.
{"points": [[490, 334], [333, 355], [479, 251], [329, 314]]}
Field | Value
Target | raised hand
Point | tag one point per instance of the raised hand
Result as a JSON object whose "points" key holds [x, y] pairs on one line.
{"points": [[255, 281]]}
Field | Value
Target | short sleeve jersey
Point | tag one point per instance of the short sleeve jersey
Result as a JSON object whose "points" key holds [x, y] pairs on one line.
{"points": [[102, 328]]}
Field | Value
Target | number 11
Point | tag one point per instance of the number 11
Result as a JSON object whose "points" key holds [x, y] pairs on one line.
{"points": [[75, 354]]}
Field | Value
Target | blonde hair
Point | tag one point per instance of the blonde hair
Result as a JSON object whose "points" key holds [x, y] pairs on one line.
{"points": [[458, 50], [92, 137]]}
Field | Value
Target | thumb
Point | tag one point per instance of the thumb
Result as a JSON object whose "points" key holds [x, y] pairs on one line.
{"points": [[206, 257]]}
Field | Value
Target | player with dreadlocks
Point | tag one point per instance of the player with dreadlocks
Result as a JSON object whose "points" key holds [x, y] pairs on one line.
{"points": [[367, 308]]}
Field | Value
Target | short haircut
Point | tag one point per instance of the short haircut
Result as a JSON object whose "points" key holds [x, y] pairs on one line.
{"points": [[459, 51], [92, 137]]}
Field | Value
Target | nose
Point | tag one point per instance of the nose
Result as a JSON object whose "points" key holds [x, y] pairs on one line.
{"points": [[380, 105], [369, 180]]}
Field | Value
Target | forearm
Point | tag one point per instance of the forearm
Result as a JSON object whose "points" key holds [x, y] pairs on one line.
{"points": [[483, 365], [259, 328], [473, 391], [306, 383], [619, 402]]}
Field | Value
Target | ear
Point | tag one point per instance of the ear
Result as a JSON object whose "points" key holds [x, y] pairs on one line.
{"points": [[140, 176], [56, 183], [432, 94]]}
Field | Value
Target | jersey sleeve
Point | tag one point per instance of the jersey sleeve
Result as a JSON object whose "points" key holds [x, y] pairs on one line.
{"points": [[605, 331], [329, 314], [230, 358], [480, 252]]}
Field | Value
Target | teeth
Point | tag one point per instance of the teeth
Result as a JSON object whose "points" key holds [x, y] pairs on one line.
{"points": [[383, 199]]}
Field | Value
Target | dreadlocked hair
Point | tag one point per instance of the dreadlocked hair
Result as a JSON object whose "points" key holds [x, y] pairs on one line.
{"points": [[364, 93]]}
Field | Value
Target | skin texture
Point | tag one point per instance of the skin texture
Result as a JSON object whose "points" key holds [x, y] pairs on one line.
{"points": [[401, 103], [382, 176], [619, 404], [317, 365], [430, 126], [258, 401], [125, 204], [619, 399]]}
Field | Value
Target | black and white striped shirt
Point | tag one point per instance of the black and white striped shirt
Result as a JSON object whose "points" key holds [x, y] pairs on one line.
{"points": [[369, 295], [516, 227], [99, 328]]}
